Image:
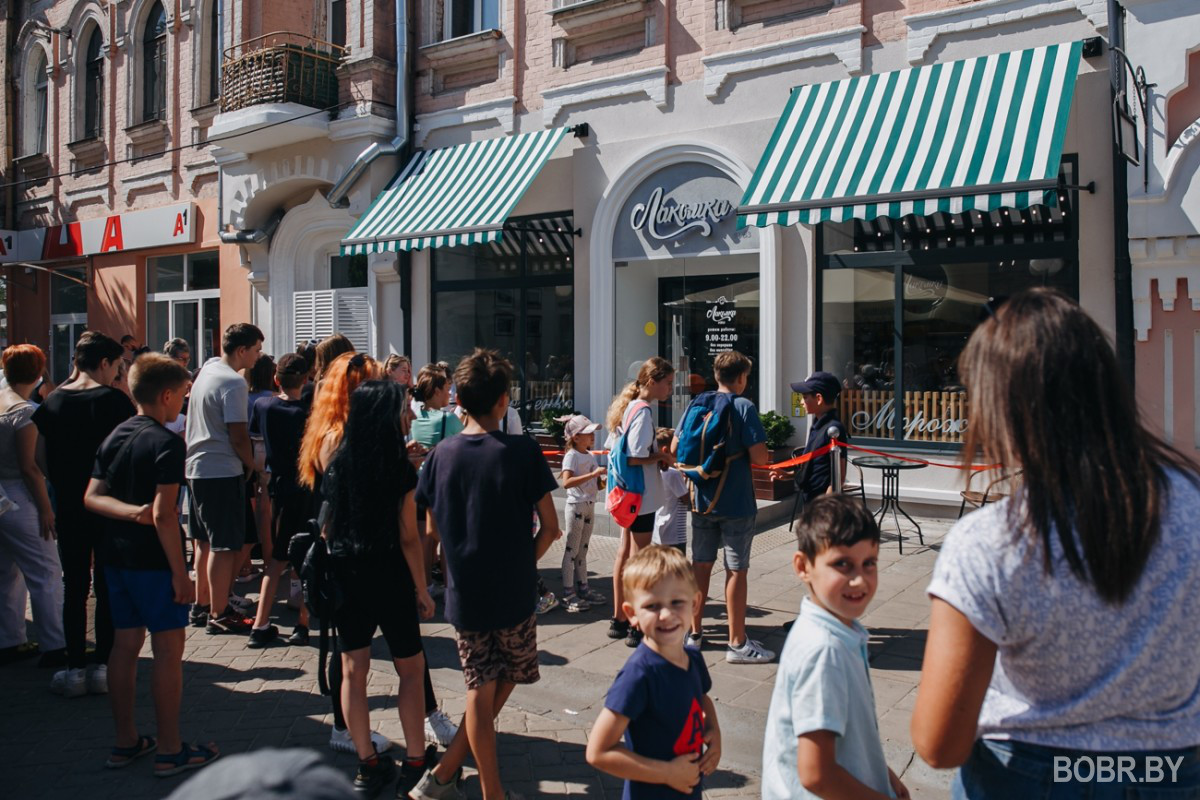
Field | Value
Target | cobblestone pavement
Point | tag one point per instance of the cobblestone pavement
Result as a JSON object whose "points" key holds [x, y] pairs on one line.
{"points": [[53, 747]]}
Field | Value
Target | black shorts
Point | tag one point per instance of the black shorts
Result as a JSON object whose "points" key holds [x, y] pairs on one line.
{"points": [[289, 515], [643, 523], [378, 593], [217, 512]]}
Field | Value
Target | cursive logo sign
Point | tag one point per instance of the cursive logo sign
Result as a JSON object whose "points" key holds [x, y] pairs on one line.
{"points": [[719, 315], [663, 219], [883, 420]]}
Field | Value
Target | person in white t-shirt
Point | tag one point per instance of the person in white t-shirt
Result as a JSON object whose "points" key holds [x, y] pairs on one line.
{"points": [[582, 478], [670, 522]]}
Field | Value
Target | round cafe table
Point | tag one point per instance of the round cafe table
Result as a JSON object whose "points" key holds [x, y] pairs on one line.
{"points": [[890, 494]]}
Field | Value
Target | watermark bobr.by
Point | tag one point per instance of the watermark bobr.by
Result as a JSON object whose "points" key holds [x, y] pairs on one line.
{"points": [[1116, 769]]}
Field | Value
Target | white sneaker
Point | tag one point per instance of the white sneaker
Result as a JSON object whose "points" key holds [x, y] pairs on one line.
{"points": [[340, 741], [429, 789], [97, 679], [69, 683], [751, 652], [439, 729]]}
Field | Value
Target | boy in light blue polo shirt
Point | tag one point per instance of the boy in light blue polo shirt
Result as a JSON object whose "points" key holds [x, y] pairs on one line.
{"points": [[822, 739]]}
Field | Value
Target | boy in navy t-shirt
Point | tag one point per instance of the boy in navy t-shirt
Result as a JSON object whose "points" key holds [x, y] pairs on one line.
{"points": [[658, 729]]}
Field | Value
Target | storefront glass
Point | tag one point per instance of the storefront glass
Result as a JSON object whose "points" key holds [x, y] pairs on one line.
{"points": [[899, 304], [68, 319], [516, 296], [183, 301]]}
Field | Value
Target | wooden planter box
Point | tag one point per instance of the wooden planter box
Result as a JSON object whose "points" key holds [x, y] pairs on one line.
{"points": [[775, 484]]}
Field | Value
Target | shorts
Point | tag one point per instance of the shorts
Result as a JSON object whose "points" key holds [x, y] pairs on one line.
{"points": [[378, 593], [510, 654], [289, 516], [643, 523], [734, 533], [217, 512], [144, 598]]}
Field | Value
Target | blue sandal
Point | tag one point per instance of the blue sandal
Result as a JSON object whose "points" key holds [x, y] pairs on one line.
{"points": [[120, 757], [168, 764]]}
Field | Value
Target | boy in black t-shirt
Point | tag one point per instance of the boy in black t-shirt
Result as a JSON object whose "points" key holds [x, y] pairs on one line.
{"points": [[280, 420], [481, 487], [135, 483]]}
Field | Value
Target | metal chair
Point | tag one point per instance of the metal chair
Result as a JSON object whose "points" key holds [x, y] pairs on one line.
{"points": [[847, 488], [997, 488]]}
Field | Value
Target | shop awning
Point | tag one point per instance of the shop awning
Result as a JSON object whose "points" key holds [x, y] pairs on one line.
{"points": [[453, 195], [982, 133]]}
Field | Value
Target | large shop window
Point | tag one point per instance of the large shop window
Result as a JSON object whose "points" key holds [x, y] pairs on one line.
{"points": [[68, 319], [515, 295], [900, 298], [183, 300]]}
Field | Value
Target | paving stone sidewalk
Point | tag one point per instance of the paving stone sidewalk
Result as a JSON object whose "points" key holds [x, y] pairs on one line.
{"points": [[53, 747]]}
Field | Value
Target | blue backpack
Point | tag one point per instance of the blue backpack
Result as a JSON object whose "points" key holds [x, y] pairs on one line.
{"points": [[703, 451], [626, 483]]}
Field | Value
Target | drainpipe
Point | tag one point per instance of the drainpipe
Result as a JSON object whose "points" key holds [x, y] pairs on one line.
{"points": [[220, 34], [1123, 265], [337, 195], [254, 235]]}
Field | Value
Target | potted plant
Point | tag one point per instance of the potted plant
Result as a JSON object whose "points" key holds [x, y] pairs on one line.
{"points": [[775, 484], [779, 430]]}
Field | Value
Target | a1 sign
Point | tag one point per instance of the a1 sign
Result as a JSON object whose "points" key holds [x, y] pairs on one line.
{"points": [[134, 230]]}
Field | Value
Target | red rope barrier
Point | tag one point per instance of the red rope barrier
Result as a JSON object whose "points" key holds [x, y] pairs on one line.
{"points": [[973, 467], [806, 457]]}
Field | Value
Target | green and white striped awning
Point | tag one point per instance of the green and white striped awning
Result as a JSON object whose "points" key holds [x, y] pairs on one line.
{"points": [[453, 195], [982, 133]]}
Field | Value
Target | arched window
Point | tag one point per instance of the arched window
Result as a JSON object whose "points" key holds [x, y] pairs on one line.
{"points": [[93, 86], [214, 49], [40, 83], [154, 65]]}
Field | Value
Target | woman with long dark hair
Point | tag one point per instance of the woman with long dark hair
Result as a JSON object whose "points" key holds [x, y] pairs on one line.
{"points": [[376, 550], [1064, 623]]}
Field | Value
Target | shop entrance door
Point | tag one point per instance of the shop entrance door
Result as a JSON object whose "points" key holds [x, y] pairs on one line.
{"points": [[701, 316]]}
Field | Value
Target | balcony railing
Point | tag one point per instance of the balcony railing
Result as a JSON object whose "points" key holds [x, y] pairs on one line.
{"points": [[280, 67]]}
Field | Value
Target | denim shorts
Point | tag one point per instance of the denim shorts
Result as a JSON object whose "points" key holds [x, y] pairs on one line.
{"points": [[1007, 769], [733, 533], [144, 598]]}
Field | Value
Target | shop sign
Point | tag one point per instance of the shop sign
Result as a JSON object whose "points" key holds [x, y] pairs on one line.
{"points": [[720, 336], [133, 230], [682, 210], [883, 419]]}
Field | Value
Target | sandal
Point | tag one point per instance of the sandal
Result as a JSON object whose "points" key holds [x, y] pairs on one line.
{"points": [[168, 764], [124, 756]]}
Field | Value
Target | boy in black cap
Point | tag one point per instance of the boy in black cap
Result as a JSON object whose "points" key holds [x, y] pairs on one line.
{"points": [[820, 392]]}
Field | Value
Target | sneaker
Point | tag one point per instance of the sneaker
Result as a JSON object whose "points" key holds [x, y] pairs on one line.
{"points": [[618, 629], [69, 683], [547, 602], [634, 638], [590, 594], [695, 641], [574, 604], [373, 775], [751, 652], [198, 616], [241, 605], [51, 658], [411, 774], [97, 679], [439, 728], [428, 788], [229, 623], [261, 637], [299, 636], [341, 742]]}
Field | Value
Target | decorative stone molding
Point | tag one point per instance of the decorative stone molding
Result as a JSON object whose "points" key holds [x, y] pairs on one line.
{"points": [[385, 267], [845, 44], [728, 13], [571, 16], [651, 82], [500, 111], [240, 191], [925, 28], [1165, 260]]}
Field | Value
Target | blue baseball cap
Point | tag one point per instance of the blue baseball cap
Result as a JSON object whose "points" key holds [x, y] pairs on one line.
{"points": [[823, 383]]}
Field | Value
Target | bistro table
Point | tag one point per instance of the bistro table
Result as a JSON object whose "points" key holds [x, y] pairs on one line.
{"points": [[890, 494]]}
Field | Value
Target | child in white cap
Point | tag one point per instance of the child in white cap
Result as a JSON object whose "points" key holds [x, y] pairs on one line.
{"points": [[582, 478]]}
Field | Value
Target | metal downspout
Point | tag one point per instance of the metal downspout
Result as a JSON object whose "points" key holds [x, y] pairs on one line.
{"points": [[1122, 264]]}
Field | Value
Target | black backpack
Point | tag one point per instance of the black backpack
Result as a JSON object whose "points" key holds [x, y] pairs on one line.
{"points": [[322, 593]]}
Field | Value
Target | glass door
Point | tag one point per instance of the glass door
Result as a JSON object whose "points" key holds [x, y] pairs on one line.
{"points": [[65, 330], [195, 320]]}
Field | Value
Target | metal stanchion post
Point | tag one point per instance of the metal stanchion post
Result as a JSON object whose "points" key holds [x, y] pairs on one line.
{"points": [[836, 462]]}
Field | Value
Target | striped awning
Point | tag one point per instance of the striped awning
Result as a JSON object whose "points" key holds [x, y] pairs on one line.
{"points": [[453, 195], [982, 133]]}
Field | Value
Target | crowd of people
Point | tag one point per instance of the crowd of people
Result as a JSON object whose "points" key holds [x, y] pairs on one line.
{"points": [[1061, 624]]}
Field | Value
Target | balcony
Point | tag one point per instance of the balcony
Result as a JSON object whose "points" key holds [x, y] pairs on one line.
{"points": [[276, 78]]}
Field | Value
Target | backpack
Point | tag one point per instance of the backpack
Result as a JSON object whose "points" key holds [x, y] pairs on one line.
{"points": [[322, 594], [627, 483], [703, 455]]}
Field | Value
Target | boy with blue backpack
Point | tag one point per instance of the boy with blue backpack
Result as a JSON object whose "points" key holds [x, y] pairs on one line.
{"points": [[716, 443]]}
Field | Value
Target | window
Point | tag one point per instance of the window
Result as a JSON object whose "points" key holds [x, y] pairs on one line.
{"points": [[347, 272], [464, 17], [183, 300], [517, 296], [214, 49], [154, 65], [37, 106], [900, 298], [68, 319], [344, 307], [337, 22], [93, 86]]}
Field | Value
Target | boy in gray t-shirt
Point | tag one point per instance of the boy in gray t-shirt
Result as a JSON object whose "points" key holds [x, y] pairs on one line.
{"points": [[822, 738]]}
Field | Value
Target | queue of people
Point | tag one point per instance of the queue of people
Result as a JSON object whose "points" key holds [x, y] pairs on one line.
{"points": [[1061, 625]]}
